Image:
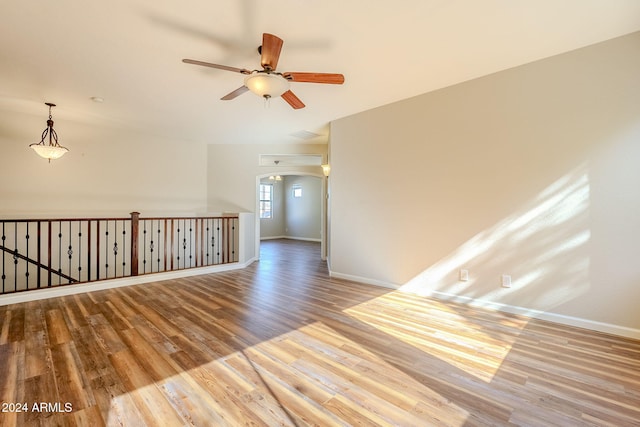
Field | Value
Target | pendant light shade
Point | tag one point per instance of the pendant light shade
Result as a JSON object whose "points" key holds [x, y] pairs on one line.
{"points": [[51, 149]]}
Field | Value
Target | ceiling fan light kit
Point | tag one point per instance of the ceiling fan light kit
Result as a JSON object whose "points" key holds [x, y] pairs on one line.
{"points": [[266, 83]]}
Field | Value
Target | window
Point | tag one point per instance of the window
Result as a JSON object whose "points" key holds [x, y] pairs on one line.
{"points": [[266, 201], [297, 190]]}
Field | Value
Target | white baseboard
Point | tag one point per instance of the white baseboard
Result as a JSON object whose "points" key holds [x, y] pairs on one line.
{"points": [[579, 322], [305, 239], [64, 290], [543, 315], [365, 280]]}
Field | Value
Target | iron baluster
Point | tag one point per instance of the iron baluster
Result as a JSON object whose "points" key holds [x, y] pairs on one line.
{"points": [[185, 244], [233, 241], [39, 259], [4, 276], [190, 243], [97, 250], [15, 256], [168, 245], [178, 248], [144, 248], [198, 244], [59, 251], [165, 249], [70, 251], [26, 274], [49, 252], [89, 226], [106, 250], [115, 249], [124, 248], [218, 251], [208, 225], [80, 251], [225, 250]]}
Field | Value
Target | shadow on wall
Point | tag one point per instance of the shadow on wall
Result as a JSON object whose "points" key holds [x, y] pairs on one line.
{"points": [[543, 247]]}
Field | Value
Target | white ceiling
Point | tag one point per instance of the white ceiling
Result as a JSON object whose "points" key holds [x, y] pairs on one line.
{"points": [[129, 53]]}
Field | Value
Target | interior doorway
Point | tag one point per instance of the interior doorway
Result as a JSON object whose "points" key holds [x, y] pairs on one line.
{"points": [[291, 205]]}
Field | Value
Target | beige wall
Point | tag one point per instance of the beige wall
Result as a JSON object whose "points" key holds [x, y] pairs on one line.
{"points": [[108, 171], [531, 172]]}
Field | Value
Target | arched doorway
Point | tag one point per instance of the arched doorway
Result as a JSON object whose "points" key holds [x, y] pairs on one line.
{"points": [[297, 190]]}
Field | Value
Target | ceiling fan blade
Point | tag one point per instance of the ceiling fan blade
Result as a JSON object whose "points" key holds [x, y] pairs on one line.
{"points": [[235, 93], [270, 51], [292, 100], [218, 66], [329, 78]]}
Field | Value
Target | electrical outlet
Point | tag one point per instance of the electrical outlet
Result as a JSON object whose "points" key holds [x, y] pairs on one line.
{"points": [[506, 281], [463, 275]]}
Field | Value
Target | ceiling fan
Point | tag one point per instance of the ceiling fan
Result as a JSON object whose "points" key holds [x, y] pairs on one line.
{"points": [[268, 83]]}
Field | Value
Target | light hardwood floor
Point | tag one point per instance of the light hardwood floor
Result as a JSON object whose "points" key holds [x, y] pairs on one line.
{"points": [[280, 343]]}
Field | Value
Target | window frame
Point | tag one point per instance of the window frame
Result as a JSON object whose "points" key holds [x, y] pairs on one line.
{"points": [[266, 201], [296, 191]]}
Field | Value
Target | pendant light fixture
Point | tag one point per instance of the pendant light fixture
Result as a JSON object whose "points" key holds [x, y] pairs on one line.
{"points": [[50, 150]]}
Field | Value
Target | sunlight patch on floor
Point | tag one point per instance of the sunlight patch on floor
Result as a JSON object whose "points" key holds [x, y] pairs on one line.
{"points": [[452, 338], [369, 370]]}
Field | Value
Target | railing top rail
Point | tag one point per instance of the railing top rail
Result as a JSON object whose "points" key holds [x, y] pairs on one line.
{"points": [[64, 219], [20, 220], [187, 217]]}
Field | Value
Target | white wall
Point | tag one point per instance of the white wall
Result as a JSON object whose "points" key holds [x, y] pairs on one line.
{"points": [[531, 172], [108, 171]]}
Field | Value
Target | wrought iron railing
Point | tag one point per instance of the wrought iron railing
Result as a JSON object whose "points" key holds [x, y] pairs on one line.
{"points": [[43, 253]]}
